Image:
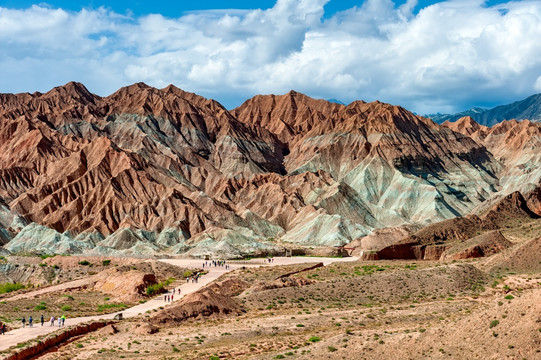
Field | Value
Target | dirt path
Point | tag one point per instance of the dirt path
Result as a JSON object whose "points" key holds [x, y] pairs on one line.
{"points": [[75, 284], [17, 336]]}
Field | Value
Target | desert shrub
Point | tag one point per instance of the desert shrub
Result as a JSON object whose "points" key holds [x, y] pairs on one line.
{"points": [[509, 297], [331, 348], [106, 262], [494, 323], [187, 273], [9, 287], [66, 308], [41, 306], [314, 339], [84, 263], [154, 289], [104, 307]]}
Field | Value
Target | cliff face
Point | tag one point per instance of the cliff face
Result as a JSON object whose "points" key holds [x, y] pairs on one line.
{"points": [[148, 170]]}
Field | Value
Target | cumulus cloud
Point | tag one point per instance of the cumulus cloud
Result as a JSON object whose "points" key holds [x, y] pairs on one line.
{"points": [[447, 57]]}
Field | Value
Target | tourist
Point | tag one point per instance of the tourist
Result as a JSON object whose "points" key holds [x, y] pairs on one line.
{"points": [[59, 321], [187, 279], [30, 320], [172, 296], [42, 319], [23, 320], [52, 320], [3, 329], [63, 319]]}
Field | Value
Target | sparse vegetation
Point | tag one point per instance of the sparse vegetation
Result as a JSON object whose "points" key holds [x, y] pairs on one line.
{"points": [[9, 287]]}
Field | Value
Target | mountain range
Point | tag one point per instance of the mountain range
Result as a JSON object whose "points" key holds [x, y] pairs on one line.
{"points": [[527, 109], [146, 171]]}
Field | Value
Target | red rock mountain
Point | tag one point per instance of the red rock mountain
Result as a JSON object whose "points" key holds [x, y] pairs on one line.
{"points": [[162, 170]]}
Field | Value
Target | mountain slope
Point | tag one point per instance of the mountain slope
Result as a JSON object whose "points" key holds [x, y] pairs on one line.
{"points": [[529, 108], [148, 170]]}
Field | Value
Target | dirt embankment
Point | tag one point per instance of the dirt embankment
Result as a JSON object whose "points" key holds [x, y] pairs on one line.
{"points": [[42, 347]]}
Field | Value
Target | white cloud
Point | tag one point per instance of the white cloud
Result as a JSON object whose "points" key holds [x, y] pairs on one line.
{"points": [[449, 56]]}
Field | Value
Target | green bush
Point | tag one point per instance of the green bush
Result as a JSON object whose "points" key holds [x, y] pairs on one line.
{"points": [[154, 289], [9, 287], [84, 262], [331, 348], [494, 323], [106, 262], [157, 288], [40, 307], [103, 307], [66, 308], [509, 297], [314, 339]]}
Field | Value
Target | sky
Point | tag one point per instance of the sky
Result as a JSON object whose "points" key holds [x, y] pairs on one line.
{"points": [[427, 55]]}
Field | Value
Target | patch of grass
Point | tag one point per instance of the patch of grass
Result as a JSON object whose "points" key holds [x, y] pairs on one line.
{"points": [[331, 348], [509, 297], [314, 339], [106, 262], [104, 307], [9, 287], [494, 323], [84, 262], [157, 288], [66, 308]]}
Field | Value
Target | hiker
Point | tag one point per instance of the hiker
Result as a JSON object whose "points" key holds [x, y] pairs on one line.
{"points": [[63, 319], [165, 298], [52, 320], [187, 279], [59, 321], [172, 296], [30, 320], [23, 321], [42, 319], [3, 329]]}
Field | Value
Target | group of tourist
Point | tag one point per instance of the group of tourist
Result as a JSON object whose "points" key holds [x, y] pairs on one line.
{"points": [[215, 263], [61, 320], [194, 279], [171, 297]]}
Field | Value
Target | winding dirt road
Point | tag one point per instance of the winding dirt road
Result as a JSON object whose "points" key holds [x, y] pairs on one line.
{"points": [[17, 336]]}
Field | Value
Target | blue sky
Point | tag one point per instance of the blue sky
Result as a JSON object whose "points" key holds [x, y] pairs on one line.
{"points": [[428, 56], [179, 7]]}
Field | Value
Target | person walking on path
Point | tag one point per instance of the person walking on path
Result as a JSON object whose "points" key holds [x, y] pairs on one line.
{"points": [[3, 329], [30, 320], [23, 320], [63, 319], [52, 320], [42, 319], [59, 321]]}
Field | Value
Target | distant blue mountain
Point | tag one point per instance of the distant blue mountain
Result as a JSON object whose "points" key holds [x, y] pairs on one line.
{"points": [[336, 101], [529, 108]]}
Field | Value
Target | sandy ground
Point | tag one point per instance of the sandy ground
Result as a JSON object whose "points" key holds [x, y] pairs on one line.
{"points": [[17, 336]]}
